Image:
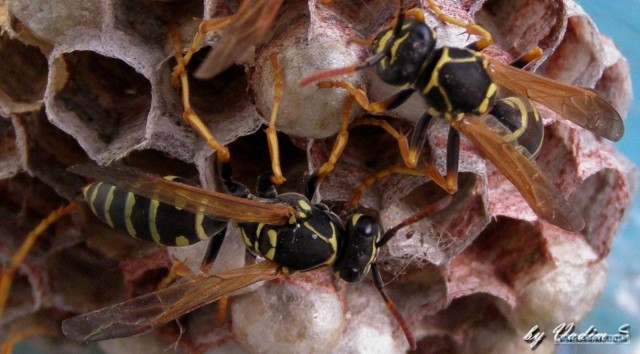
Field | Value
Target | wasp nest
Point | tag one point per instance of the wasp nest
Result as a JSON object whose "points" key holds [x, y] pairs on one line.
{"points": [[90, 81]]}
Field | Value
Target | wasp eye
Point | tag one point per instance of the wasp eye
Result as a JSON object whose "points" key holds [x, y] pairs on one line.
{"points": [[350, 274], [322, 207], [366, 227]]}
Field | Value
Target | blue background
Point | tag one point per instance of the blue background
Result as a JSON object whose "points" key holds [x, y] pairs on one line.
{"points": [[620, 302]]}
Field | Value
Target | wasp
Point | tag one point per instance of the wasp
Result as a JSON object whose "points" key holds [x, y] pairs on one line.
{"points": [[288, 230], [487, 101]]}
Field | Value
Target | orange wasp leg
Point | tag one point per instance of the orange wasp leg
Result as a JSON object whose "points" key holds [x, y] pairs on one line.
{"points": [[272, 137], [222, 152], [471, 28], [430, 171], [338, 147], [204, 27]]}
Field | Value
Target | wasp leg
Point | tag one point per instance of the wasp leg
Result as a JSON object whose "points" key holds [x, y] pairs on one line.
{"points": [[403, 144], [430, 171], [8, 272], [213, 248], [272, 138], [453, 157], [178, 270], [368, 62], [448, 183], [415, 13], [411, 154], [361, 96], [418, 138], [266, 189], [189, 115], [204, 27], [338, 147], [360, 41], [471, 28], [526, 58], [232, 186], [221, 310]]}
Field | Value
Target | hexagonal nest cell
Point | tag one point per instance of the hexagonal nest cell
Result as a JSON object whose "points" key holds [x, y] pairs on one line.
{"points": [[91, 83], [24, 77], [111, 107]]}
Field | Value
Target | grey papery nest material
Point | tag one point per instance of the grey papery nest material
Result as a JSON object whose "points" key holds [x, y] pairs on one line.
{"points": [[90, 80]]}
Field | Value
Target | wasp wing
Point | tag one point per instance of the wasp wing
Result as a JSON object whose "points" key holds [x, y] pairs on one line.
{"points": [[220, 205], [250, 24], [145, 312], [543, 197], [582, 106]]}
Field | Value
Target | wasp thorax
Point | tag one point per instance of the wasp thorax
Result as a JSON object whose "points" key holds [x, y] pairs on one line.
{"points": [[359, 248], [406, 53]]}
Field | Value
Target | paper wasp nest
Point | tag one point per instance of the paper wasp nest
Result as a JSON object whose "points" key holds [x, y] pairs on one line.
{"points": [[90, 81]]}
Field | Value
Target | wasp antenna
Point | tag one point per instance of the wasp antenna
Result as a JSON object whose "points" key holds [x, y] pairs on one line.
{"points": [[377, 280], [320, 75], [399, 21], [430, 209]]}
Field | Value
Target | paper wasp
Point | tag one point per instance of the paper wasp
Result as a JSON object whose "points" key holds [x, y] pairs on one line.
{"points": [[286, 229], [483, 99]]}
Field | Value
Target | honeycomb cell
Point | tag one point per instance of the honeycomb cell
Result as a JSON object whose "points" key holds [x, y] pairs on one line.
{"points": [[9, 151], [300, 321], [24, 77], [46, 152], [24, 201], [255, 160], [518, 26], [58, 21], [578, 59], [99, 100], [145, 19], [221, 102], [302, 49], [466, 278]]}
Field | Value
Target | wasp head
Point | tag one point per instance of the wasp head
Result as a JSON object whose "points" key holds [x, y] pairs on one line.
{"points": [[358, 247], [407, 48]]}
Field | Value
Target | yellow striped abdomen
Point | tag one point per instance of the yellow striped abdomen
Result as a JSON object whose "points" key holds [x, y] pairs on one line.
{"points": [[148, 219]]}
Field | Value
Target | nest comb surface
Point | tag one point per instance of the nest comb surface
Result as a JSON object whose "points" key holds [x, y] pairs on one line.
{"points": [[91, 82]]}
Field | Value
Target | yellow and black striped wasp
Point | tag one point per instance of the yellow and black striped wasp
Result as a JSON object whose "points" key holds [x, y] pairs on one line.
{"points": [[287, 230], [486, 100]]}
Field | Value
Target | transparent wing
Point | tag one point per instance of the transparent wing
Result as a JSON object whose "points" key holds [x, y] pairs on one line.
{"points": [[543, 197], [220, 205], [250, 23], [582, 106], [143, 313]]}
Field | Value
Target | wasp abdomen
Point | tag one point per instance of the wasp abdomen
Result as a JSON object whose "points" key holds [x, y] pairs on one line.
{"points": [[519, 123], [148, 219]]}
